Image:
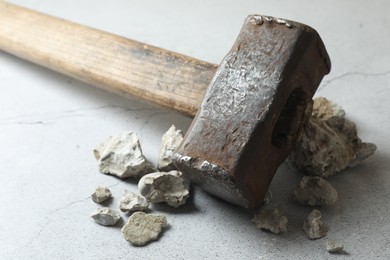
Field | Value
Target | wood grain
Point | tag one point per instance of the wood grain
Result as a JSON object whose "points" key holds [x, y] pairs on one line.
{"points": [[117, 64]]}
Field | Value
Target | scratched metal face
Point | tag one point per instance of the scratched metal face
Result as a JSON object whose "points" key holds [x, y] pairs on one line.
{"points": [[254, 109]]}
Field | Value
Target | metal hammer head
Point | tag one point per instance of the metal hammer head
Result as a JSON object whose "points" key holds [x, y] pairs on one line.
{"points": [[254, 109]]}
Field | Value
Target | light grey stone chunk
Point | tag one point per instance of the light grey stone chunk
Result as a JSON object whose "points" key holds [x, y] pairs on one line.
{"points": [[101, 194], [122, 156], [324, 108], [142, 228], [364, 151], [334, 247], [170, 141], [169, 187], [132, 202], [329, 142], [106, 216], [313, 226], [273, 220], [315, 191]]}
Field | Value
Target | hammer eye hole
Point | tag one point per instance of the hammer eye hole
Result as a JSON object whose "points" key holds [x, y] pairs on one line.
{"points": [[290, 119]]}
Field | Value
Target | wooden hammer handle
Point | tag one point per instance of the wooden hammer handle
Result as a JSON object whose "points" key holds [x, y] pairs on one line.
{"points": [[120, 65]]}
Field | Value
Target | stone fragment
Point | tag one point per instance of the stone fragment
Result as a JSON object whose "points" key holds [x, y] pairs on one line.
{"points": [[106, 216], [101, 194], [334, 247], [122, 156], [170, 141], [273, 220], [315, 191], [169, 187], [313, 226], [132, 202], [325, 109], [142, 228], [329, 142]]}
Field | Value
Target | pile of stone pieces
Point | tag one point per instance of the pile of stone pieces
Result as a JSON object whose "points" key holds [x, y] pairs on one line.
{"points": [[329, 144], [122, 157]]}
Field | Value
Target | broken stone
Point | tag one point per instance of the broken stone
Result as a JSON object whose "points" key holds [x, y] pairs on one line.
{"points": [[132, 202], [169, 187], [313, 226], [329, 142], [170, 141], [274, 221], [106, 216], [334, 247], [142, 228], [101, 194], [315, 191], [122, 156], [364, 151], [325, 109]]}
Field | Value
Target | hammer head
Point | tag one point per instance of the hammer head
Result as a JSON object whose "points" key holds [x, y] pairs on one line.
{"points": [[254, 109]]}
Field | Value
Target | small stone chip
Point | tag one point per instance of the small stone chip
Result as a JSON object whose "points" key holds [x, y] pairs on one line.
{"points": [[132, 202], [142, 228], [315, 191], [324, 109], [313, 225], [334, 247], [106, 216], [122, 156], [329, 142], [274, 221], [101, 194], [170, 141], [169, 187]]}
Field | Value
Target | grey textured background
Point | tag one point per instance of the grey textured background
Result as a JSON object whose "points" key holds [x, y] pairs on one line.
{"points": [[49, 125]]}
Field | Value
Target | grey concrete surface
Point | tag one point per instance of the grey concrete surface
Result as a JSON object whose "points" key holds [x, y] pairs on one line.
{"points": [[50, 123]]}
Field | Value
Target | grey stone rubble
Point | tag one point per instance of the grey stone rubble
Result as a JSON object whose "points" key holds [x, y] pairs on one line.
{"points": [[313, 226], [334, 247], [142, 228], [169, 187], [106, 216], [170, 141], [132, 202], [101, 194], [315, 191], [329, 142], [325, 109], [273, 220], [122, 156]]}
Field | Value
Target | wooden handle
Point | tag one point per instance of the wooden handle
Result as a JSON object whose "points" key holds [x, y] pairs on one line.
{"points": [[119, 65]]}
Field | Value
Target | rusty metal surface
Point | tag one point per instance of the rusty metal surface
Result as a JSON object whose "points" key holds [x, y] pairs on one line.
{"points": [[254, 109]]}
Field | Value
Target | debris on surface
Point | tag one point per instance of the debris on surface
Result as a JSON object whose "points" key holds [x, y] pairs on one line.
{"points": [[101, 194], [142, 228], [122, 156], [132, 202], [106, 216], [169, 187], [329, 142], [313, 225], [334, 247], [274, 221], [170, 141], [325, 109], [315, 191]]}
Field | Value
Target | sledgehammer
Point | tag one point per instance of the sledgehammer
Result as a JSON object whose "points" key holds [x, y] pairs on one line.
{"points": [[249, 110]]}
